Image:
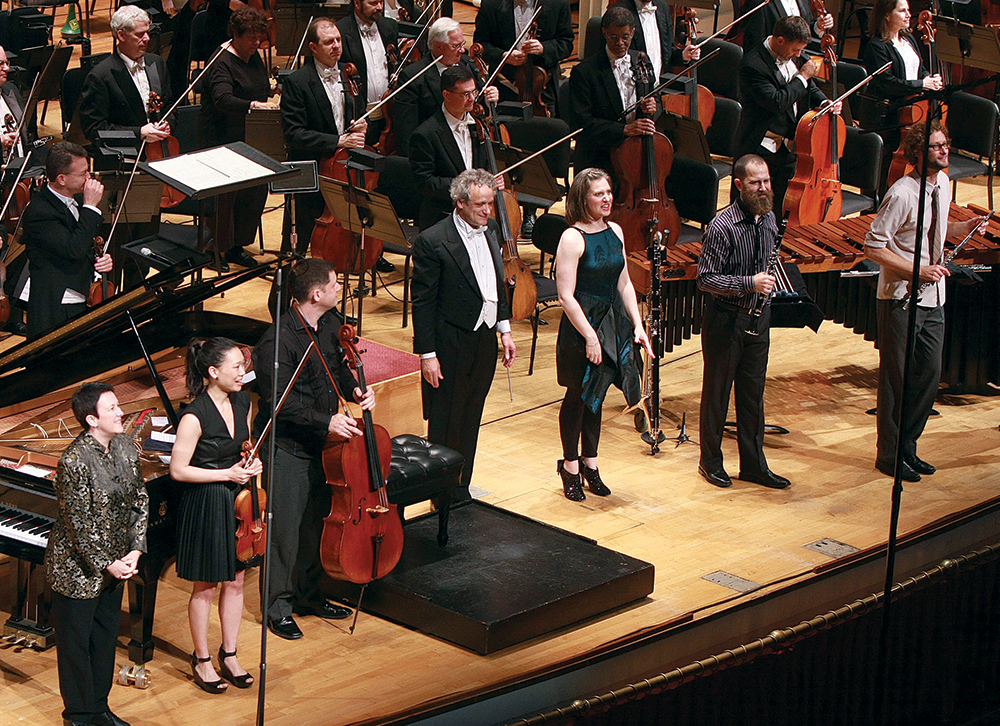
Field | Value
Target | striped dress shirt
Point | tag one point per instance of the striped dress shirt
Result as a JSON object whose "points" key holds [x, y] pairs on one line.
{"points": [[735, 248]]}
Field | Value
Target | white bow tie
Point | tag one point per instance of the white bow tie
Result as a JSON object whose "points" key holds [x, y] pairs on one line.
{"points": [[623, 64], [369, 31], [330, 74], [139, 65], [647, 9]]}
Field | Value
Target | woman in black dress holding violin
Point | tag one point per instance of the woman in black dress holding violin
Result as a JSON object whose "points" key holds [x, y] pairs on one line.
{"points": [[207, 457], [891, 42], [236, 85]]}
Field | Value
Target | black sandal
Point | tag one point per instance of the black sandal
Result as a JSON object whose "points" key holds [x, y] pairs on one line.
{"points": [[212, 687], [593, 477], [572, 483], [244, 681]]}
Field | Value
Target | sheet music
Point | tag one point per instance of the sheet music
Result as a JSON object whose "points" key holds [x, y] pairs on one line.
{"points": [[210, 168]]}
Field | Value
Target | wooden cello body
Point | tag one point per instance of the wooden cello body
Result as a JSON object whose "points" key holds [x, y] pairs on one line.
{"points": [[164, 149], [814, 194], [641, 206], [331, 240], [362, 536], [701, 104]]}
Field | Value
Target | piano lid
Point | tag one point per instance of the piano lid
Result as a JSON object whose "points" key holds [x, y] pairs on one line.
{"points": [[102, 338]]}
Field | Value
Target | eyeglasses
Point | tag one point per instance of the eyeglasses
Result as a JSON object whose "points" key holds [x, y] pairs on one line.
{"points": [[4, 64], [938, 147], [463, 94], [455, 46]]}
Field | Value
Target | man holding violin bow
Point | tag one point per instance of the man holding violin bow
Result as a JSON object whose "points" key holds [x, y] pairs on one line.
{"points": [[59, 225], [655, 36], [601, 88], [776, 89]]}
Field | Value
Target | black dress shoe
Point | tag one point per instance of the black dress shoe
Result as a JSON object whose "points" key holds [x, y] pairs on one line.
{"points": [[67, 722], [719, 477], [325, 610], [239, 256], [285, 627], [528, 225], [108, 719], [223, 266], [906, 472], [767, 478], [17, 328], [919, 465], [383, 265]]}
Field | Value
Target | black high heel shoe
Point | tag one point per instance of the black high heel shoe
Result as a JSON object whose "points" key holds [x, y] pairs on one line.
{"points": [[594, 482], [213, 687], [244, 681], [572, 483]]}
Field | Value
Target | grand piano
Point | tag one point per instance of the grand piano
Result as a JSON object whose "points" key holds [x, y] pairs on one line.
{"points": [[120, 342]]}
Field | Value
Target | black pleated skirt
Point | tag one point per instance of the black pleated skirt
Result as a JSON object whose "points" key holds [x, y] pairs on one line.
{"points": [[206, 534]]}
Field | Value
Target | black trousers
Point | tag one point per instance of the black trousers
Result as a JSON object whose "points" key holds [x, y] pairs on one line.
{"points": [[298, 500], [925, 374], [731, 355], [237, 217], [86, 633], [454, 410]]}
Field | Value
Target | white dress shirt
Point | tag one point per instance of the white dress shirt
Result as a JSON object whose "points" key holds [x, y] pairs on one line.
{"points": [[378, 66], [71, 297], [137, 71], [463, 137], [651, 33], [789, 72], [522, 15], [622, 69], [334, 87]]}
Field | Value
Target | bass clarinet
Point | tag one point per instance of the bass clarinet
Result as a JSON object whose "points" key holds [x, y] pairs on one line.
{"points": [[774, 270]]}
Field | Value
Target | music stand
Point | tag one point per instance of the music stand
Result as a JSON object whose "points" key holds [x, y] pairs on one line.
{"points": [[143, 203], [211, 172], [365, 214], [264, 133], [533, 180], [968, 45], [686, 134]]}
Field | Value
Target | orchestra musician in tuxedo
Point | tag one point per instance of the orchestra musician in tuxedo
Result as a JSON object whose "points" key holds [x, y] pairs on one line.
{"points": [[15, 146], [365, 35], [421, 99], [59, 226], [601, 87], [459, 305], [655, 36], [116, 92], [776, 89], [756, 26], [318, 117], [445, 145], [500, 22]]}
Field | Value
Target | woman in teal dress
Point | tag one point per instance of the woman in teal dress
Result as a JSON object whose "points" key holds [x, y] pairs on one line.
{"points": [[600, 323], [207, 457]]}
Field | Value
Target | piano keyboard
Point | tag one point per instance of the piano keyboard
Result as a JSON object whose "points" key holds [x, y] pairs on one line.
{"points": [[32, 529]]}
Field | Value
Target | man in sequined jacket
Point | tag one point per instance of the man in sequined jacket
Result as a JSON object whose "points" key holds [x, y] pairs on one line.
{"points": [[95, 544]]}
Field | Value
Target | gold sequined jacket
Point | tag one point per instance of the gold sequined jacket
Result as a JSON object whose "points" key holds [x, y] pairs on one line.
{"points": [[103, 508]]}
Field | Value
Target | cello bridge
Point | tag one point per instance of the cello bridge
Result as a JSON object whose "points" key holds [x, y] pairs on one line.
{"points": [[377, 511]]}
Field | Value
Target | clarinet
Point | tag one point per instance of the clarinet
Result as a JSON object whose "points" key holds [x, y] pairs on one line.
{"points": [[772, 268], [654, 326], [949, 256]]}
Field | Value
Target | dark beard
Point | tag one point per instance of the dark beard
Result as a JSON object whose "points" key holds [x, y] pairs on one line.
{"points": [[758, 203]]}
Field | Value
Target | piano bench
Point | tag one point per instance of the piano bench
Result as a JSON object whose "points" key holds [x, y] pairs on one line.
{"points": [[419, 471]]}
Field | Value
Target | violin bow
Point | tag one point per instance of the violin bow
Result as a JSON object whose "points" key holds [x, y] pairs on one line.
{"points": [[517, 42], [416, 42], [430, 17], [381, 103], [537, 153], [142, 146], [719, 32], [20, 124], [826, 109], [288, 389], [670, 79], [302, 42]]}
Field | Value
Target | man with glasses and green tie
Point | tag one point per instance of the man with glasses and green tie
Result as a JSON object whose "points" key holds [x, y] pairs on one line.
{"points": [[891, 243], [59, 227]]}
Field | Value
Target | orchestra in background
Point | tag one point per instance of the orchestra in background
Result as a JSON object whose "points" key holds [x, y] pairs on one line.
{"points": [[441, 108]]}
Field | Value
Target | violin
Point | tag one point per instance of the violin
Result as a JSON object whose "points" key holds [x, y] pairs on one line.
{"points": [[531, 79], [163, 149], [521, 286], [700, 103], [330, 239], [251, 505], [362, 535], [915, 112], [641, 163], [814, 193], [100, 290], [387, 139]]}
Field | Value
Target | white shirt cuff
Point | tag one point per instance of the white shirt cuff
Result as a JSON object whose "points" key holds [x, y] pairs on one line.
{"points": [[428, 356], [503, 326], [91, 206]]}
